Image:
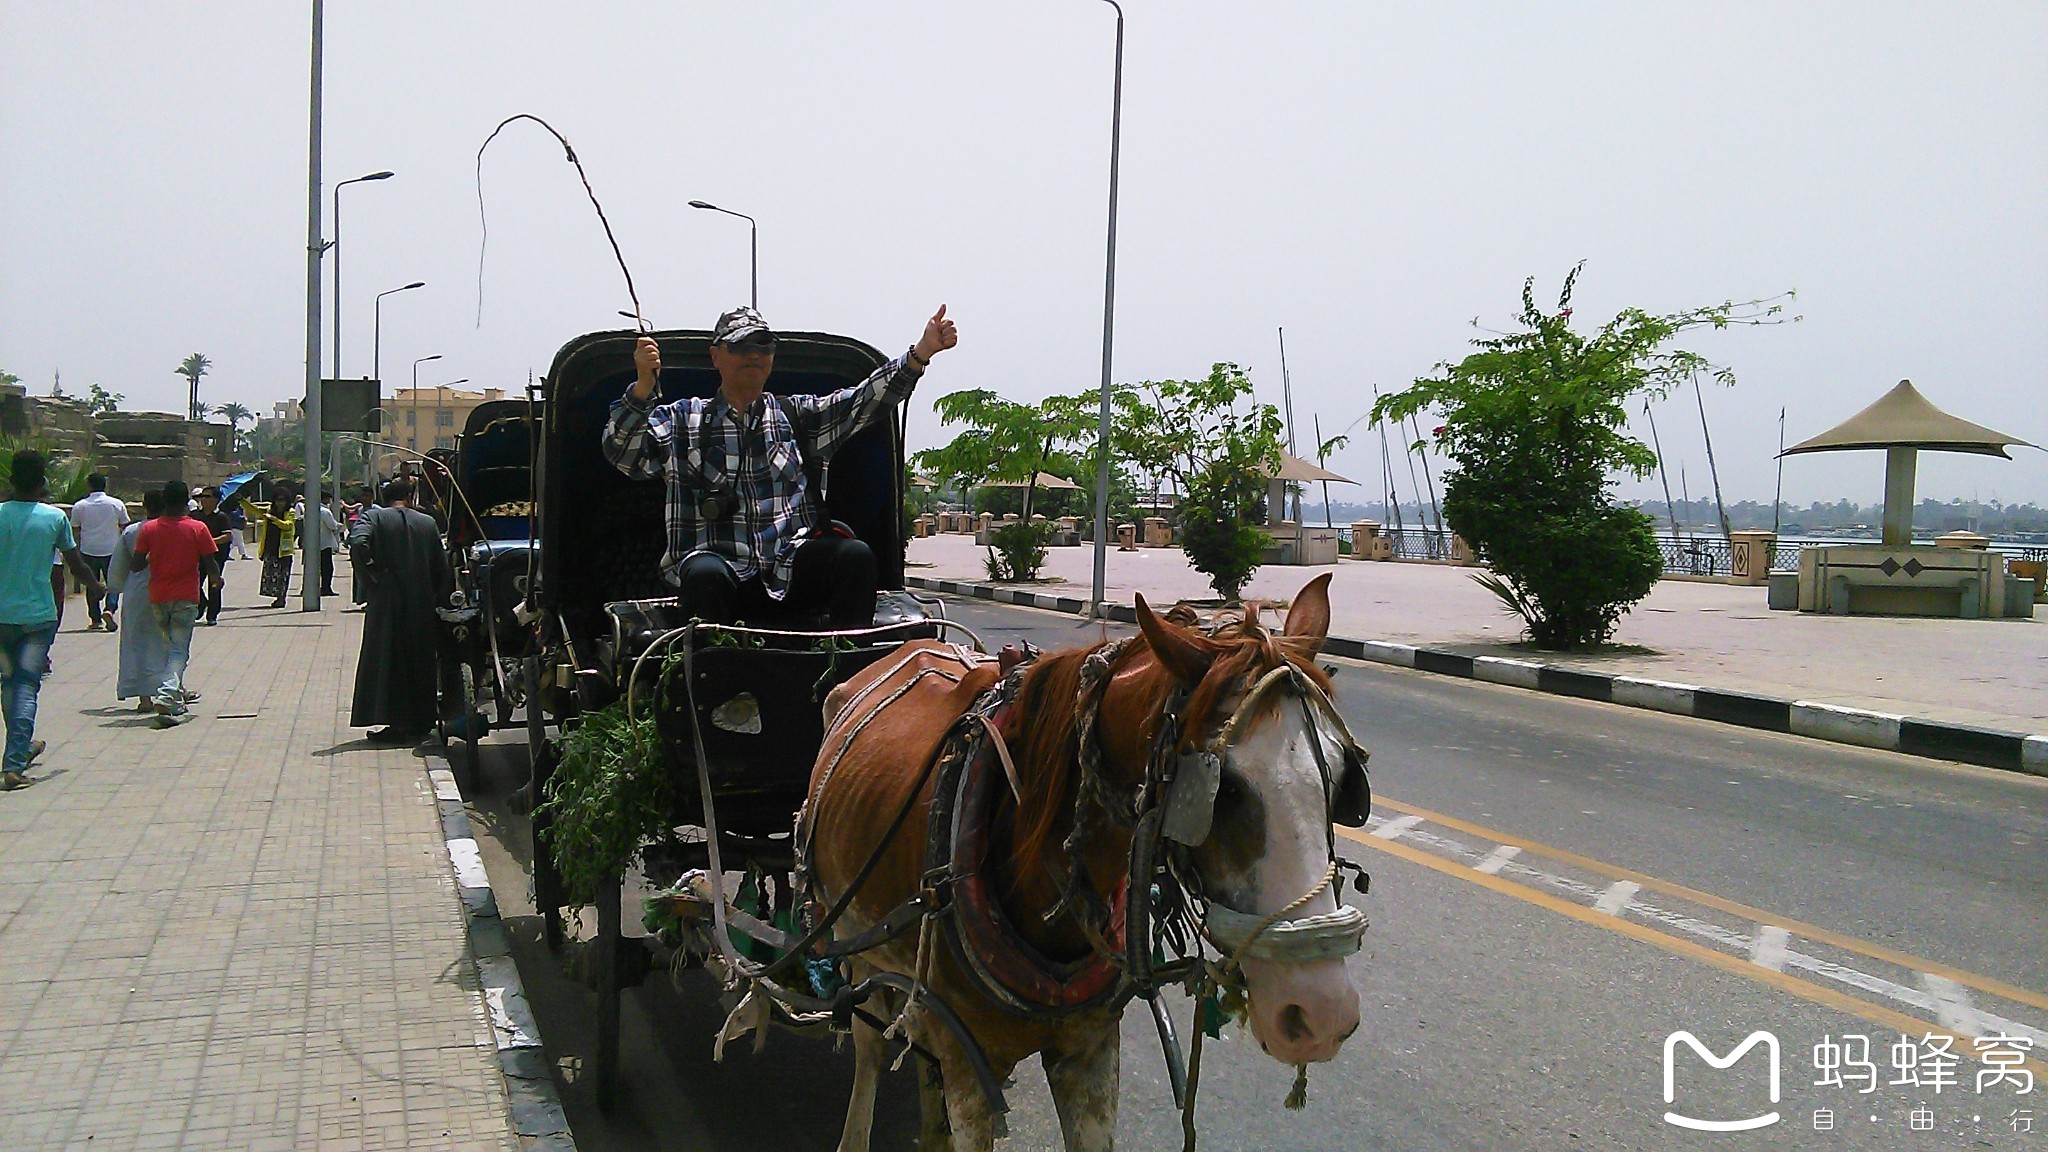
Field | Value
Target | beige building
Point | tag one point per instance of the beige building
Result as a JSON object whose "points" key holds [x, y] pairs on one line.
{"points": [[423, 419]]}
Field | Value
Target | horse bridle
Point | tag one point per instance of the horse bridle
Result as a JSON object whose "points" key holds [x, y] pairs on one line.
{"points": [[1172, 814]]}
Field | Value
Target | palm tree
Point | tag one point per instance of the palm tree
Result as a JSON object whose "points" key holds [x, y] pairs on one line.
{"points": [[192, 369], [235, 414]]}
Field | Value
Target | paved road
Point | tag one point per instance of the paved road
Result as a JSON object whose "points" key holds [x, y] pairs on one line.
{"points": [[1557, 886]]}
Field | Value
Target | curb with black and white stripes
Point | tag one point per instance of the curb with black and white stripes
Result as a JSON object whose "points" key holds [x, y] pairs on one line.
{"points": [[1913, 735], [536, 1110]]}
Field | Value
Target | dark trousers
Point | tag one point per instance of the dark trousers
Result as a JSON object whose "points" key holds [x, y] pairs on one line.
{"points": [[832, 570], [98, 564], [327, 572], [210, 608]]}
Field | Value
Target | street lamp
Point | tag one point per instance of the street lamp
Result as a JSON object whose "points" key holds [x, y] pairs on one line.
{"points": [[1116, 117], [416, 386], [377, 366], [753, 246], [336, 245]]}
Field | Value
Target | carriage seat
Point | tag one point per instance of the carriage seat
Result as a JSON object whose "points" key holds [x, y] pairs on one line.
{"points": [[636, 624]]}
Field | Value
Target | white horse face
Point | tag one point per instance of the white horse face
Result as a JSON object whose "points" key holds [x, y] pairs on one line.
{"points": [[1268, 845]]}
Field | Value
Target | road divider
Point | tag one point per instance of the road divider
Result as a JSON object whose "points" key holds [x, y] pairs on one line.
{"points": [[1889, 732]]}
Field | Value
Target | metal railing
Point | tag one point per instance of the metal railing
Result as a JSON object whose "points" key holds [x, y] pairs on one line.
{"points": [[1695, 554]]}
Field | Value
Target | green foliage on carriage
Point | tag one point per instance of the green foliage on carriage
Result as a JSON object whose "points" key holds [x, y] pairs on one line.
{"points": [[611, 790]]}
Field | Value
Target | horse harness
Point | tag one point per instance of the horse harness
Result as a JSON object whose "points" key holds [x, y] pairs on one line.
{"points": [[1148, 936]]}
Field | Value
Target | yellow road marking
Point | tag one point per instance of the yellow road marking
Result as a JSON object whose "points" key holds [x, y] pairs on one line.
{"points": [[1740, 966], [1981, 983]]}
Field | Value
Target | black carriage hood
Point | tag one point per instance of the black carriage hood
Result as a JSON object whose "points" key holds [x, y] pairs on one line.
{"points": [[494, 468], [602, 533]]}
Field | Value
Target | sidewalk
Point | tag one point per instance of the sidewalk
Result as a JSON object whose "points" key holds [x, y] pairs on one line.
{"points": [[1988, 673], [241, 933]]}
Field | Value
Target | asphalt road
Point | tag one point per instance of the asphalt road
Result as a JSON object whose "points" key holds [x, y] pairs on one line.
{"points": [[1558, 886]]}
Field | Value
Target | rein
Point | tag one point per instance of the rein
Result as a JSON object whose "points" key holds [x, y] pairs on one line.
{"points": [[1171, 814]]}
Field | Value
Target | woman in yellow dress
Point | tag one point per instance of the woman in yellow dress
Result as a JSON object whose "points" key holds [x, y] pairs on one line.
{"points": [[277, 524]]}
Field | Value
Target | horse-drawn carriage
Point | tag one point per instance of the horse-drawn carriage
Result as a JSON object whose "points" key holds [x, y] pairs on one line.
{"points": [[487, 499], [762, 728], [744, 701]]}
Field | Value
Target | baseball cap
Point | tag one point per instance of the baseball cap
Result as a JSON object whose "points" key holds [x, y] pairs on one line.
{"points": [[739, 324]]}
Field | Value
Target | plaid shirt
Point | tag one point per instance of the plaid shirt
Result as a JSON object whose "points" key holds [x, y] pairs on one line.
{"points": [[736, 480]]}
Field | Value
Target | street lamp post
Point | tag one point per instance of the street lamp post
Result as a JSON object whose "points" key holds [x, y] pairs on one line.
{"points": [[753, 247], [416, 389], [1116, 117], [314, 250], [377, 367], [336, 246], [441, 402]]}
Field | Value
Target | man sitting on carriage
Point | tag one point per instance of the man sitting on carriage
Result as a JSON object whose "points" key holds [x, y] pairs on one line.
{"points": [[746, 533]]}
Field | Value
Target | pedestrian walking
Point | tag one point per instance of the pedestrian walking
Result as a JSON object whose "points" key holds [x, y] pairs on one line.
{"points": [[239, 523], [331, 534], [222, 531], [179, 552], [397, 553], [96, 524], [144, 647], [30, 530], [280, 529]]}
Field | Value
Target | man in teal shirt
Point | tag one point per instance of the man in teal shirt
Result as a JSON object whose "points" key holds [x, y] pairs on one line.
{"points": [[30, 532]]}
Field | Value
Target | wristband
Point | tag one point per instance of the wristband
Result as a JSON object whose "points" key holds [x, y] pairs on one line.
{"points": [[920, 361]]}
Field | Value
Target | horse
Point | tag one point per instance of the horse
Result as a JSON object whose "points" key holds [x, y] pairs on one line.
{"points": [[1267, 854]]}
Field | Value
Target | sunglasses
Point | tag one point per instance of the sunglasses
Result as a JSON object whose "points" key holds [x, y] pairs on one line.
{"points": [[753, 345]]}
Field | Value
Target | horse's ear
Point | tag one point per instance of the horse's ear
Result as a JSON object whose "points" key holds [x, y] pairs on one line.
{"points": [[1183, 653], [1309, 617]]}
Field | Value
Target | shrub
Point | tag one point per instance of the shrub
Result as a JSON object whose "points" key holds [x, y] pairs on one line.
{"points": [[1535, 423], [1221, 547], [1017, 551]]}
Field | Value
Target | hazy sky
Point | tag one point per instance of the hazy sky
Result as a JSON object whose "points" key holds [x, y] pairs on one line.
{"points": [[1371, 176]]}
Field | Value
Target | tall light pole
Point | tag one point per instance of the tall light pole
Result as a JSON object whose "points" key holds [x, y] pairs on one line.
{"points": [[309, 535], [753, 247], [377, 367], [1116, 122], [416, 390], [336, 245]]}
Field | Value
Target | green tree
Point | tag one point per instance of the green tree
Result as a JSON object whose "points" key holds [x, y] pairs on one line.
{"points": [[193, 367], [1218, 446], [100, 402], [7, 377], [1534, 423], [237, 415], [1010, 441]]}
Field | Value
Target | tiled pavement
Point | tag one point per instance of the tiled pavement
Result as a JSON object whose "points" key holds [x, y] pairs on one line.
{"points": [[241, 933]]}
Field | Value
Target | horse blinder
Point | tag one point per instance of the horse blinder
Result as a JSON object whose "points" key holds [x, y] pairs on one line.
{"points": [[1351, 801], [1191, 799]]}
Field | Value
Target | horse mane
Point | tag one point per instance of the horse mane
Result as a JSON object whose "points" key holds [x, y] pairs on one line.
{"points": [[1046, 755]]}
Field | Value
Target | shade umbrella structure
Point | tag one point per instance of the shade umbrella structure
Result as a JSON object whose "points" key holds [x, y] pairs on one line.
{"points": [[1044, 480], [1296, 470], [1904, 423]]}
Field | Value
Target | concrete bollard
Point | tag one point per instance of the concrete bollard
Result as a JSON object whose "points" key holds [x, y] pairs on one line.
{"points": [[1750, 556]]}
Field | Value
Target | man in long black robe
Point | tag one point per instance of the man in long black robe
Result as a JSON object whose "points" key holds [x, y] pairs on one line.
{"points": [[397, 552]]}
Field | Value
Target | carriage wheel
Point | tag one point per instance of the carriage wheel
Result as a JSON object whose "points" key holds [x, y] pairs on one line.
{"points": [[547, 884], [464, 762], [605, 960], [502, 693]]}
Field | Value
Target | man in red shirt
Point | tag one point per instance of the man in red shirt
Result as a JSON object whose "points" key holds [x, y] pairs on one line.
{"points": [[179, 550]]}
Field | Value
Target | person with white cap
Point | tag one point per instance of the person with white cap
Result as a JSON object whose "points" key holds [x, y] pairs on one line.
{"points": [[745, 530]]}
